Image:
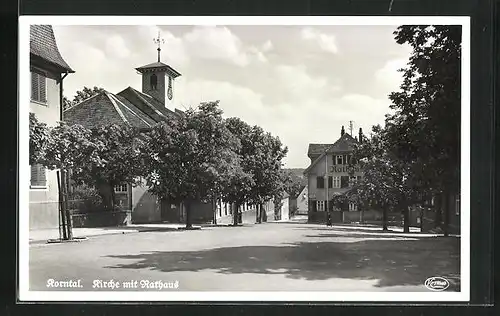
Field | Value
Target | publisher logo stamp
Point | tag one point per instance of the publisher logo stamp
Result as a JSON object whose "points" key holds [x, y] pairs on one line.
{"points": [[437, 284]]}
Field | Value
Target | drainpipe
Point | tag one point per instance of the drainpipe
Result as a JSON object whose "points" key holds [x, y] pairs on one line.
{"points": [[61, 97]]}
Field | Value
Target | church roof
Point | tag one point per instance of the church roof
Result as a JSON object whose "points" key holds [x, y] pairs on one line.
{"points": [[43, 45], [344, 144], [149, 105], [107, 108], [159, 66]]}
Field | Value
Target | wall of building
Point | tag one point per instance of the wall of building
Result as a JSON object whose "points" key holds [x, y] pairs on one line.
{"points": [[145, 206], [319, 194], [159, 92], [302, 201], [44, 202]]}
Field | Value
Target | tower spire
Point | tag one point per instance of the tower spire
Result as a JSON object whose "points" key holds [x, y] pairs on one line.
{"points": [[159, 41], [351, 126]]}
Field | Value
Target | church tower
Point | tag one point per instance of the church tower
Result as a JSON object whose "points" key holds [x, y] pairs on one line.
{"points": [[158, 78]]}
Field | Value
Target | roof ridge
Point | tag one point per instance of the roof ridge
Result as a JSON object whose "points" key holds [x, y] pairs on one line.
{"points": [[132, 111], [111, 97], [149, 104]]}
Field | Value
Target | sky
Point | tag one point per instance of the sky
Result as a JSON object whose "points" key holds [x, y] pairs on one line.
{"points": [[299, 83]]}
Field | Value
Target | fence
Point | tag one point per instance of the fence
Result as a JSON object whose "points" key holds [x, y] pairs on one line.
{"points": [[101, 219]]}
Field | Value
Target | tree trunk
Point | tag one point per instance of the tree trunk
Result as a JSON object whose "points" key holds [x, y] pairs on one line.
{"points": [[406, 218], [187, 206], [214, 207], [62, 212], [257, 214], [437, 209], [384, 219], [262, 215], [106, 191], [236, 207], [69, 219], [446, 213]]}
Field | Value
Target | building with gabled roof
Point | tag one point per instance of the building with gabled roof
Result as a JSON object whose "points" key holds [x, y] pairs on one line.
{"points": [[48, 70], [140, 109], [332, 171]]}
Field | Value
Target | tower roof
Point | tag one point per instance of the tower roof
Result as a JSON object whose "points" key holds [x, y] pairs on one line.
{"points": [[159, 66]]}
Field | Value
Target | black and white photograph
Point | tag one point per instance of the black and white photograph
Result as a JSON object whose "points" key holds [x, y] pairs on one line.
{"points": [[244, 158]]}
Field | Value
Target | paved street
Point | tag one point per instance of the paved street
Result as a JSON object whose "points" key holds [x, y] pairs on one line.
{"points": [[266, 257]]}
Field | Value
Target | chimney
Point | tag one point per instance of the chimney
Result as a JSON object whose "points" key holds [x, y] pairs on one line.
{"points": [[342, 131], [360, 135]]}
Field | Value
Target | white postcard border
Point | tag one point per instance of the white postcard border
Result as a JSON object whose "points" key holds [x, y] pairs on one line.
{"points": [[23, 136]]}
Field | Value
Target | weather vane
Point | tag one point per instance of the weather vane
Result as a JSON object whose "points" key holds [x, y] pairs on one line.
{"points": [[158, 41]]}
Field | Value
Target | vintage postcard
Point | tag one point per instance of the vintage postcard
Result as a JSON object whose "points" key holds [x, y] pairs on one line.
{"points": [[244, 158]]}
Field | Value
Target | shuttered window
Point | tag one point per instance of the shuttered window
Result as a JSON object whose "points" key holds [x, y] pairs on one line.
{"points": [[330, 182], [344, 181], [320, 182], [38, 176], [38, 87]]}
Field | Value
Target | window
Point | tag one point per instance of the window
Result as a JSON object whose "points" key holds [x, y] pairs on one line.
{"points": [[153, 81], [344, 181], [313, 206], [349, 159], [457, 205], [225, 208], [353, 207], [320, 182], [336, 182], [330, 182], [38, 176], [121, 188], [340, 160], [320, 206], [38, 87]]}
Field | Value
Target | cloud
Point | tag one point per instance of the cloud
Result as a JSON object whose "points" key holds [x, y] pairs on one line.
{"points": [[326, 42], [116, 47], [388, 76], [267, 46], [299, 84], [212, 42]]}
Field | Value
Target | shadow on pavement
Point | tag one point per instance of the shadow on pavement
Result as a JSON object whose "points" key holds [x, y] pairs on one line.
{"points": [[392, 262]]}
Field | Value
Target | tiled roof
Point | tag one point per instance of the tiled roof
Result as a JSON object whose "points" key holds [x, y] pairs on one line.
{"points": [[106, 108], [43, 44], [317, 151], [344, 143], [149, 105], [160, 66]]}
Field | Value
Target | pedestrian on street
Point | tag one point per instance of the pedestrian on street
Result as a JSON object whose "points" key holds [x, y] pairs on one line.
{"points": [[328, 219]]}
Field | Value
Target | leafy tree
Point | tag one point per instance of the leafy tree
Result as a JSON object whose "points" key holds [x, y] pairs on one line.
{"points": [[39, 139], [295, 181], [70, 146], [240, 187], [386, 182], [191, 158], [117, 159], [271, 180], [424, 132], [81, 95], [260, 157]]}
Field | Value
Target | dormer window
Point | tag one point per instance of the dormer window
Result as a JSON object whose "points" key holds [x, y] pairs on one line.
{"points": [[154, 81], [339, 160]]}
